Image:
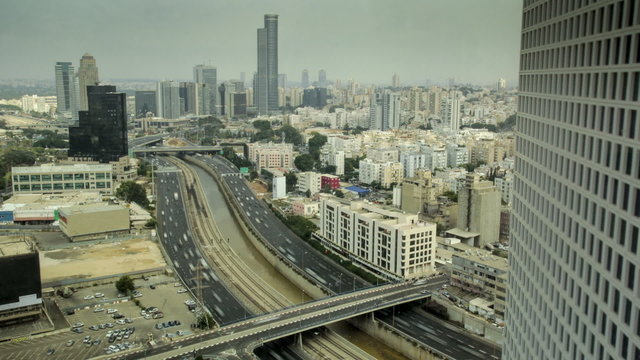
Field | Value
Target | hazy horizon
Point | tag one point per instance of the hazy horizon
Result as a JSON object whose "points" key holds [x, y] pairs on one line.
{"points": [[473, 42]]}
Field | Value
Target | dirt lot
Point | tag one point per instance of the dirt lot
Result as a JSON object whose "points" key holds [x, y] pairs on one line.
{"points": [[176, 142], [258, 187], [20, 121], [100, 260]]}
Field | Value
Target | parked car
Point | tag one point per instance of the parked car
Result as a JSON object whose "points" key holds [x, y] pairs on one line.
{"points": [[98, 295], [88, 297], [70, 343]]}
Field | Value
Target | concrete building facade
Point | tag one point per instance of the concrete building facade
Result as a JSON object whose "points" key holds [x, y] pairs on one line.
{"points": [[574, 284], [52, 179], [479, 210], [386, 242]]}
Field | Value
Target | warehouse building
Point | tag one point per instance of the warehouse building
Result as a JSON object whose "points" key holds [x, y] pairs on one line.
{"points": [[57, 179], [38, 209], [20, 286], [85, 222]]}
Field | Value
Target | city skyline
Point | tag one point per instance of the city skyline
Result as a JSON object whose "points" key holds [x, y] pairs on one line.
{"points": [[412, 34]]}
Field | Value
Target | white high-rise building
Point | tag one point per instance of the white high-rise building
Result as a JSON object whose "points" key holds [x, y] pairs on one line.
{"points": [[412, 162], [279, 187], [168, 99], [450, 108], [574, 286]]}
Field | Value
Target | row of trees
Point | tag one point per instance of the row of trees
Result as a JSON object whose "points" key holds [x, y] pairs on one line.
{"points": [[265, 132]]}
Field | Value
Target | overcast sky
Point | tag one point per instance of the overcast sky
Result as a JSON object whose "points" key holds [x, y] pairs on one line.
{"points": [[474, 41]]}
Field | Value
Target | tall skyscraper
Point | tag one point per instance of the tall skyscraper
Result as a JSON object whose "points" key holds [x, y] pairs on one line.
{"points": [[305, 79], [450, 108], [384, 110], [66, 90], [322, 78], [208, 75], [574, 289], [168, 99], [145, 103], [102, 131], [395, 81], [282, 80], [502, 86], [266, 82], [87, 75]]}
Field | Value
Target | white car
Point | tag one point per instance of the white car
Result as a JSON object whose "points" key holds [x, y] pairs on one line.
{"points": [[98, 309], [177, 284], [78, 324], [181, 291], [99, 295], [112, 311], [88, 297]]}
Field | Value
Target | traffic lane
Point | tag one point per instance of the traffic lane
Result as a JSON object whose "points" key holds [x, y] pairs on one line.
{"points": [[432, 332], [185, 256], [296, 251]]}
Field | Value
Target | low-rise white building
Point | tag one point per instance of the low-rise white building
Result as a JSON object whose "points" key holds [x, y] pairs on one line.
{"points": [[305, 207], [271, 155], [56, 179], [309, 181], [385, 241]]}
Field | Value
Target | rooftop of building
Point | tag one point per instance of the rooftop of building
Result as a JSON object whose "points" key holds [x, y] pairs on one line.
{"points": [[50, 200], [462, 234], [90, 208], [49, 168], [482, 257], [12, 245]]}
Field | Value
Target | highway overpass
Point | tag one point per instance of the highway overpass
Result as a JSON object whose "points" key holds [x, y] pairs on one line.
{"points": [[145, 140], [177, 149], [249, 334]]}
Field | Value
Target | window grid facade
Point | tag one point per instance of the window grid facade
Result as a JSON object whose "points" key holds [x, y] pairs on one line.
{"points": [[574, 281]]}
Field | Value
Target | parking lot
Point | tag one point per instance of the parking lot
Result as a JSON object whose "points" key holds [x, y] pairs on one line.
{"points": [[164, 297]]}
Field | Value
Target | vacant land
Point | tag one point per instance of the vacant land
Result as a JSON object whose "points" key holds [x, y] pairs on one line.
{"points": [[91, 261]]}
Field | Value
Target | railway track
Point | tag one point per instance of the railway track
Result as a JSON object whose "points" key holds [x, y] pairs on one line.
{"points": [[239, 277]]}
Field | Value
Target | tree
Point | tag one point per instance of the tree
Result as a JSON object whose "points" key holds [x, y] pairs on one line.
{"points": [[308, 193], [291, 135], [304, 162], [16, 157], [315, 143], [151, 223], [328, 169], [508, 124], [338, 193], [125, 284], [451, 195], [262, 125], [291, 180], [131, 191], [205, 321]]}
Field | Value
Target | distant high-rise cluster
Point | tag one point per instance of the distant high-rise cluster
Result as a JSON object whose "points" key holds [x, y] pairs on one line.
{"points": [[266, 80], [395, 81], [207, 78], [305, 79]]}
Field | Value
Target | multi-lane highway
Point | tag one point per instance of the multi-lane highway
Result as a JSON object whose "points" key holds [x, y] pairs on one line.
{"points": [[318, 267], [295, 250], [179, 244], [438, 335]]}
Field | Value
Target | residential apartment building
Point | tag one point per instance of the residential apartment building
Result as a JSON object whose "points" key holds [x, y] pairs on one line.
{"points": [[479, 210], [479, 272], [387, 242], [417, 192], [271, 155], [54, 179], [309, 181], [385, 174]]}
